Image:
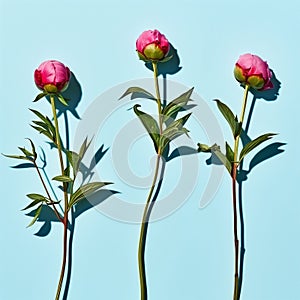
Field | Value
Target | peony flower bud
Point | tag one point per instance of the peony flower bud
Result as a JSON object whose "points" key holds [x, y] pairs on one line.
{"points": [[152, 46], [251, 69], [52, 76]]}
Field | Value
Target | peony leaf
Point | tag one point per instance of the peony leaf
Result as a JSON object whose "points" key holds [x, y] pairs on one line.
{"points": [[74, 160], [32, 148], [85, 191], [62, 100], [215, 149], [228, 115], [40, 96], [253, 144], [176, 105], [32, 204], [43, 131], [36, 197], [37, 213], [229, 152], [16, 156], [174, 130], [138, 90], [26, 152], [150, 124], [62, 178]]}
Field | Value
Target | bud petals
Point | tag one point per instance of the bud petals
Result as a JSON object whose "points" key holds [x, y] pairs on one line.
{"points": [[52, 76], [152, 45], [251, 69]]}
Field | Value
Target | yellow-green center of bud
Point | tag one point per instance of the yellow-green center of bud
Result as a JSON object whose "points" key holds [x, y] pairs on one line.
{"points": [[50, 88], [238, 74], [153, 52], [256, 82]]}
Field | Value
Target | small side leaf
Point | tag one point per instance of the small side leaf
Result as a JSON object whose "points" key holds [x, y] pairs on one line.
{"points": [[150, 124], [228, 115], [62, 178], [139, 90], [253, 144], [215, 149], [85, 191], [26, 152], [40, 96], [74, 160], [37, 197], [36, 215], [32, 148], [174, 106], [16, 156], [229, 152], [62, 100], [32, 204]]}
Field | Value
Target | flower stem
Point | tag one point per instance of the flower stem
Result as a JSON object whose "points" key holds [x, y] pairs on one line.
{"points": [[65, 219], [158, 100], [234, 199], [47, 192], [147, 212], [143, 235]]}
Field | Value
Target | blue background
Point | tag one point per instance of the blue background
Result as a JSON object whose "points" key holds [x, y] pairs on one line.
{"points": [[190, 253]]}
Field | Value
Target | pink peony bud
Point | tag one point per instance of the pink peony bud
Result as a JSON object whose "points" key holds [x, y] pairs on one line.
{"points": [[152, 45], [251, 69], [52, 76]]}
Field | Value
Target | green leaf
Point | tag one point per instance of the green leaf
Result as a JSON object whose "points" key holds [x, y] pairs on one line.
{"points": [[174, 130], [74, 160], [176, 105], [36, 197], [16, 156], [166, 59], [38, 114], [26, 152], [229, 152], [138, 90], [32, 148], [253, 144], [203, 148], [62, 178], [238, 128], [62, 100], [85, 145], [228, 115], [215, 149], [32, 204], [85, 191], [40, 96], [37, 213], [48, 124], [45, 132], [150, 124]]}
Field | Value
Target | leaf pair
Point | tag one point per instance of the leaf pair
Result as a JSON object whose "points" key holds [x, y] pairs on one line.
{"points": [[44, 94], [236, 128], [27, 155], [174, 128], [44, 126]]}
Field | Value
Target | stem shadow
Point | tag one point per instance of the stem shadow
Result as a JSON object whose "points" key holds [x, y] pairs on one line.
{"points": [[263, 155]]}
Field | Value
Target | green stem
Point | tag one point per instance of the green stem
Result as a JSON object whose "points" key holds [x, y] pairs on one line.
{"points": [[234, 199], [65, 219], [146, 213], [47, 192], [143, 235], [158, 100]]}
